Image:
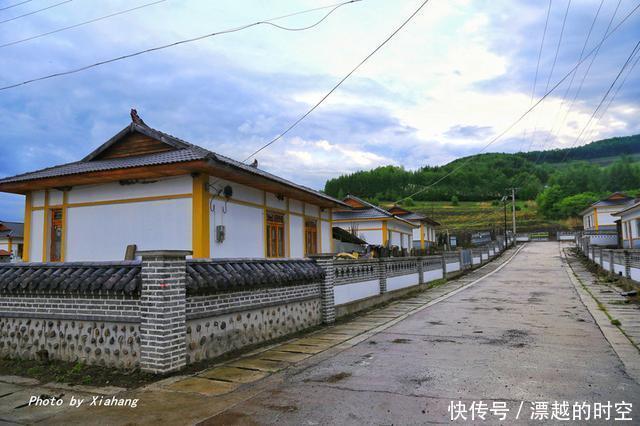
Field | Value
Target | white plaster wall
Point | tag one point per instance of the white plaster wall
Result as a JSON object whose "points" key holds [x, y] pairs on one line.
{"points": [[295, 206], [452, 267], [635, 274], [296, 227], [618, 269], [604, 215], [476, 260], [484, 256], [272, 201], [35, 245], [311, 210], [240, 192], [395, 239], [327, 236], [325, 214], [415, 234], [4, 245], [606, 265], [103, 232], [37, 198], [432, 275], [55, 197], [402, 281], [372, 236], [244, 230], [115, 191], [349, 292]]}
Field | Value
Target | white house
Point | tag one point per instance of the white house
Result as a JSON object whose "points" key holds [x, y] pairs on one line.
{"points": [[373, 224], [146, 188], [425, 235], [600, 215], [11, 242], [630, 225]]}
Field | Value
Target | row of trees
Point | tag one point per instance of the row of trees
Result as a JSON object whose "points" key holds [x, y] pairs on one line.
{"points": [[573, 188], [562, 190]]}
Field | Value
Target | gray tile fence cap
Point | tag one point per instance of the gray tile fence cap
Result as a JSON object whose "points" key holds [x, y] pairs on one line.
{"points": [[164, 253]]}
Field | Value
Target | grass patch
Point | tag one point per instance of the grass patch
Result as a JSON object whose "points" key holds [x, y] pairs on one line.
{"points": [[616, 322], [74, 373]]}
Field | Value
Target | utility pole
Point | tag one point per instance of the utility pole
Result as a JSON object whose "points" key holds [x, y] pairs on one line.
{"points": [[513, 211], [504, 204]]}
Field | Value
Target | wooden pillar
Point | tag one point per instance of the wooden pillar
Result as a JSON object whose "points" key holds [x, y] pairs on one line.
{"points": [[200, 220]]}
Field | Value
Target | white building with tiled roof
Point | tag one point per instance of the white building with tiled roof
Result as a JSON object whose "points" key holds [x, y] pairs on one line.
{"points": [[600, 215], [373, 224], [11, 240], [425, 235], [146, 188]]}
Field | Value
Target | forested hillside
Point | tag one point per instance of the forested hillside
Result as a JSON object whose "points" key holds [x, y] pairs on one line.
{"points": [[561, 188]]}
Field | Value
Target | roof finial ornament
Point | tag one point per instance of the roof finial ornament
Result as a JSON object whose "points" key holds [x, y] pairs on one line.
{"points": [[135, 118], [255, 164]]}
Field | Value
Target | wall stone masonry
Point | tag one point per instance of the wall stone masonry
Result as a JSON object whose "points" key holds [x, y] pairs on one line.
{"points": [[165, 311]]}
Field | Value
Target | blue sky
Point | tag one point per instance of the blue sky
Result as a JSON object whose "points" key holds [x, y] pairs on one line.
{"points": [[454, 78]]}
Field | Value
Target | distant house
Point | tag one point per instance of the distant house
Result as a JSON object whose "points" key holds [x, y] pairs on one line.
{"points": [[11, 239], [374, 224], [600, 215], [146, 188], [425, 235], [630, 225]]}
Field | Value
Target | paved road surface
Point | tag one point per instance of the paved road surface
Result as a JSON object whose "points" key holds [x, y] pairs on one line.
{"points": [[520, 335]]}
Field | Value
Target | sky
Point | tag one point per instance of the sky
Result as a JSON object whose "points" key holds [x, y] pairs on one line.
{"points": [[455, 77]]}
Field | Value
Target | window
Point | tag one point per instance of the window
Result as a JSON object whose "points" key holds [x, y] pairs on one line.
{"points": [[20, 250], [638, 227], [275, 234], [55, 255], [310, 237]]}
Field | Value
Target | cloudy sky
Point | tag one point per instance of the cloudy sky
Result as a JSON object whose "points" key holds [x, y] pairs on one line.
{"points": [[456, 76]]}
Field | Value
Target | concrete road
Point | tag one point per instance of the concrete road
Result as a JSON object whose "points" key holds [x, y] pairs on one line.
{"points": [[519, 336]]}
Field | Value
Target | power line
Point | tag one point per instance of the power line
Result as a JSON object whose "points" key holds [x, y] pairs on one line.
{"points": [[512, 125], [535, 79], [629, 59], [333, 89], [14, 5], [573, 75], [177, 43], [553, 65], [11, 43], [36, 11], [584, 77]]}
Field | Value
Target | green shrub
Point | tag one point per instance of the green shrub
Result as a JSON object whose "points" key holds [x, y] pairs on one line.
{"points": [[455, 201]]}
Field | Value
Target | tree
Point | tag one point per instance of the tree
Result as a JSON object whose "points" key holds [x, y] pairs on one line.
{"points": [[548, 201], [408, 202], [454, 200], [572, 205]]}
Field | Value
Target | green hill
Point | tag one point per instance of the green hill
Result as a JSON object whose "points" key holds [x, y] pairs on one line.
{"points": [[561, 188]]}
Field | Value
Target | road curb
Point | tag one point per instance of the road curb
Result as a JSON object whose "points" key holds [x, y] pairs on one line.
{"points": [[619, 342]]}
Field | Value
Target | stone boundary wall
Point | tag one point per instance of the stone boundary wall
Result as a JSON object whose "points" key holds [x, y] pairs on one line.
{"points": [[159, 313], [621, 262], [358, 284]]}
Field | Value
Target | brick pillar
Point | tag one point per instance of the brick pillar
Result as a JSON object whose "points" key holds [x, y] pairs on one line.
{"points": [[462, 260], [382, 273], [444, 266], [327, 296], [601, 253], [162, 311], [420, 270]]}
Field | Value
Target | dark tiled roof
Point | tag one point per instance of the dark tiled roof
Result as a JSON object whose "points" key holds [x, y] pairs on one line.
{"points": [[79, 167], [11, 229], [184, 151], [75, 277], [212, 276], [370, 211], [359, 214]]}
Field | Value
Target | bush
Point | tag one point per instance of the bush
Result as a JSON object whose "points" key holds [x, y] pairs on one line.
{"points": [[455, 201], [408, 202]]}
